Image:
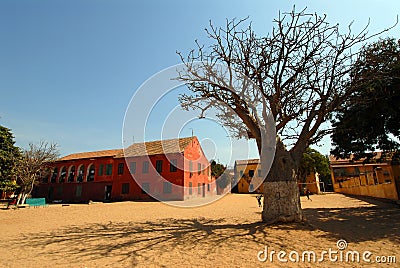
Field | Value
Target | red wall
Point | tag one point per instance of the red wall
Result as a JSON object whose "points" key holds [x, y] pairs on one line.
{"points": [[96, 190], [77, 191], [153, 178], [86, 162], [194, 154]]}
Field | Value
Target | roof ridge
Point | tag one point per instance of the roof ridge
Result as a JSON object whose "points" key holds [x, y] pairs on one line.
{"points": [[152, 146], [156, 147], [191, 137], [96, 151]]}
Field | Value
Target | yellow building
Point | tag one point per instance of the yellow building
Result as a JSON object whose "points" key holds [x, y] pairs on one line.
{"points": [[311, 184], [381, 179], [244, 172], [247, 170]]}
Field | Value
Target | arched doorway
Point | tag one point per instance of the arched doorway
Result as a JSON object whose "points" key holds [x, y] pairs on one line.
{"points": [[63, 174], [90, 176], [81, 173], [54, 175], [71, 174]]}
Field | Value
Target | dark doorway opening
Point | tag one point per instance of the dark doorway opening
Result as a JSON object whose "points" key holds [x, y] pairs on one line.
{"points": [[108, 192]]}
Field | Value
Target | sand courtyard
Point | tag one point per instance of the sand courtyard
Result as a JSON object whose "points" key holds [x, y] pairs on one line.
{"points": [[226, 233]]}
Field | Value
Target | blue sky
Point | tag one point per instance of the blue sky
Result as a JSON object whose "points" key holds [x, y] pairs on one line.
{"points": [[68, 69]]}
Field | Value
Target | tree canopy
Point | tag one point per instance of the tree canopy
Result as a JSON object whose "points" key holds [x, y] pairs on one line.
{"points": [[33, 164], [370, 119], [216, 168], [314, 161], [9, 154], [280, 88], [218, 171]]}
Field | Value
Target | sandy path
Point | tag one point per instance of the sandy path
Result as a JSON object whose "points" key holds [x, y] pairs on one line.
{"points": [[225, 233]]}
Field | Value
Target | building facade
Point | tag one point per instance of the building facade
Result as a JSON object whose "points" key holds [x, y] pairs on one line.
{"points": [[380, 179], [164, 170], [244, 172], [247, 170]]}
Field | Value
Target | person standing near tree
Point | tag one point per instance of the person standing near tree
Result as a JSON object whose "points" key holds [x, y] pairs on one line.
{"points": [[259, 200], [308, 194]]}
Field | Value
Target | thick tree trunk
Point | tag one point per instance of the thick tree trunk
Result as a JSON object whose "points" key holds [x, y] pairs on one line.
{"points": [[281, 193]]}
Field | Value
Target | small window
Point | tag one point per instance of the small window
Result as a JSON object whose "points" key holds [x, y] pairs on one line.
{"points": [[145, 188], [167, 189], [251, 187], [109, 169], [159, 166], [190, 188], [199, 188], [101, 170], [208, 187], [251, 173], [198, 168], [190, 166], [132, 167], [241, 173], [120, 168], [203, 169], [259, 173], [125, 188], [173, 165], [145, 168]]}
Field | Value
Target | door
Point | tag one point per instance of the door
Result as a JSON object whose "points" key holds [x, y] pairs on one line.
{"points": [[108, 192], [78, 191], [204, 190], [50, 194]]}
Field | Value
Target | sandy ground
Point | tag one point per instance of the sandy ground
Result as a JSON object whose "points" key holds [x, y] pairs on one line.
{"points": [[225, 233]]}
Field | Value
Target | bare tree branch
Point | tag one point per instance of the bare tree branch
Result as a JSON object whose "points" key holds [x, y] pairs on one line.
{"points": [[34, 163]]}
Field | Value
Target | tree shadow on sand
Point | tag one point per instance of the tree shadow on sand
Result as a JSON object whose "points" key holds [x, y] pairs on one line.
{"points": [[135, 241], [359, 224]]}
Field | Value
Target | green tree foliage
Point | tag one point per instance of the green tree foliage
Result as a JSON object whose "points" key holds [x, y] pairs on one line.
{"points": [[217, 171], [9, 154], [370, 120], [314, 161]]}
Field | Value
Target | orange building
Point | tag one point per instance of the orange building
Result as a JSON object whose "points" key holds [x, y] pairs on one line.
{"points": [[174, 169], [380, 179]]}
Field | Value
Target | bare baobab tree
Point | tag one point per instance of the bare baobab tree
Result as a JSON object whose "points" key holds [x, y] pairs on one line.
{"points": [[296, 76], [33, 164]]}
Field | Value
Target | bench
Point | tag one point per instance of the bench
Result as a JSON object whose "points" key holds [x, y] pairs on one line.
{"points": [[36, 202]]}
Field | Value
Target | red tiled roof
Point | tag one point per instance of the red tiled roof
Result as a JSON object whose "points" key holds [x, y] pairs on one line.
{"points": [[95, 154], [137, 149], [156, 147]]}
